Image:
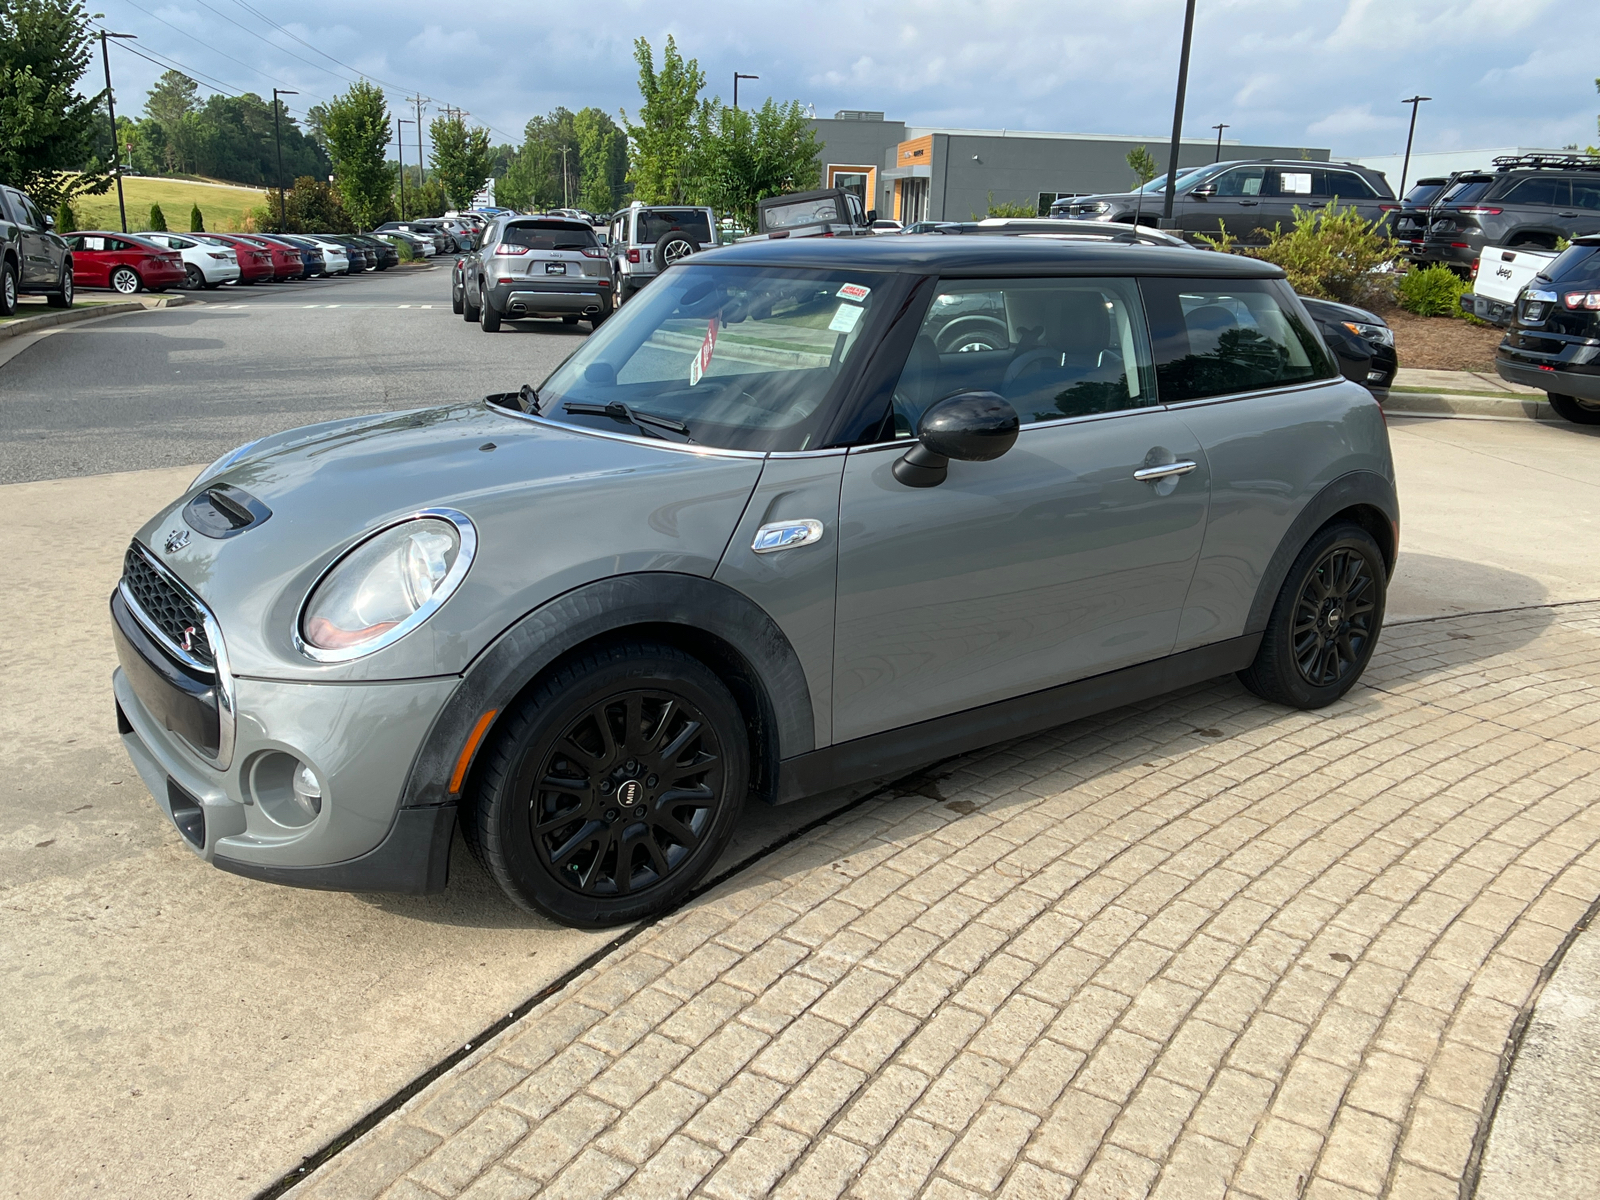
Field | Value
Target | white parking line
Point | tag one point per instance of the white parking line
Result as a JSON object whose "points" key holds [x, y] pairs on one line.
{"points": [[419, 306], [408, 306]]}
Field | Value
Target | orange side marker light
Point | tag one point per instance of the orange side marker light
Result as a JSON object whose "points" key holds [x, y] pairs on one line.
{"points": [[459, 775]]}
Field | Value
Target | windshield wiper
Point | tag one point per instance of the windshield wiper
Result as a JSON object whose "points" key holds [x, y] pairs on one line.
{"points": [[618, 411]]}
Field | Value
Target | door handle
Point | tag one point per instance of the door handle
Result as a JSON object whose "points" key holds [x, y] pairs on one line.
{"points": [[1248, 203], [1165, 470], [1566, 214]]}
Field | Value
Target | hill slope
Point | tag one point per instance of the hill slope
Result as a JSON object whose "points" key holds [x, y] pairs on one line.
{"points": [[224, 206]]}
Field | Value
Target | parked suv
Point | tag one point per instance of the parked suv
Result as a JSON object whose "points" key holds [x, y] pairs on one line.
{"points": [[33, 259], [824, 212], [1554, 343], [646, 239], [1411, 218], [1248, 197], [757, 538], [535, 267], [1528, 200]]}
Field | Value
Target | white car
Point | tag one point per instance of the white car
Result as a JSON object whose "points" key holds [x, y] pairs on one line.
{"points": [[335, 258], [419, 245], [207, 262]]}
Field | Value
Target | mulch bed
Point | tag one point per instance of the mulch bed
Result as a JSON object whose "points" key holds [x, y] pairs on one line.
{"points": [[1441, 343]]}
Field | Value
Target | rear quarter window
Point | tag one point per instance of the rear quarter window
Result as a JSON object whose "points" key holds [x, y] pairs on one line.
{"points": [[1217, 337], [1539, 191]]}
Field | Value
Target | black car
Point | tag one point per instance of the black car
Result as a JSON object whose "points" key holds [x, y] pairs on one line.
{"points": [[387, 255], [1411, 219], [1554, 342], [1248, 197], [1362, 342], [1527, 200]]}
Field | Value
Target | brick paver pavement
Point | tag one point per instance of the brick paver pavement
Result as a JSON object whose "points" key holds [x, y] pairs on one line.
{"points": [[1197, 947]]}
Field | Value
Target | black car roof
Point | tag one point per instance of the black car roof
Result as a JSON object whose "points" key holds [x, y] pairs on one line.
{"points": [[975, 257]]}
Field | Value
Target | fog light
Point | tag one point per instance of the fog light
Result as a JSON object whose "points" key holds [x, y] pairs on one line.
{"points": [[307, 791], [287, 790]]}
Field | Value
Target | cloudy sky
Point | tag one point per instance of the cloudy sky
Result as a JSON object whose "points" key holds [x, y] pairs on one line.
{"points": [[1326, 73]]}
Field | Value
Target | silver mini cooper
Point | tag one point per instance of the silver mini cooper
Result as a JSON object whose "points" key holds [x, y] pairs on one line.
{"points": [[803, 513]]}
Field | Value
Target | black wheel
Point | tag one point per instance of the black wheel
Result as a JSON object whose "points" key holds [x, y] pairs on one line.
{"points": [[126, 280], [469, 312], [569, 318], [613, 788], [455, 300], [193, 280], [488, 318], [672, 246], [1579, 412], [1325, 623], [598, 319], [63, 295]]}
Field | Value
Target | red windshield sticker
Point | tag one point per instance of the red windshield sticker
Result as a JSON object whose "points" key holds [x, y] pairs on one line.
{"points": [[854, 291], [702, 360]]}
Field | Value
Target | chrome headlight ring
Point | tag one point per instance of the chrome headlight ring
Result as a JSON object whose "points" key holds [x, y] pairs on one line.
{"points": [[465, 552]]}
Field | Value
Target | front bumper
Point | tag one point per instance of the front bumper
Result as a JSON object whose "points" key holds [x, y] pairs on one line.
{"points": [[558, 296]]}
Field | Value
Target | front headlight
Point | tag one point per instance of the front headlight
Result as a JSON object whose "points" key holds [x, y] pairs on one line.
{"points": [[1380, 334], [222, 464], [386, 586]]}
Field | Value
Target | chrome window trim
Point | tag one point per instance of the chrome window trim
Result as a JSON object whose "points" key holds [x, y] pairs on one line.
{"points": [[465, 530], [221, 672]]}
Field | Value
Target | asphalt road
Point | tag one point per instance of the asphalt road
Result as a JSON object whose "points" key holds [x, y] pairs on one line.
{"points": [[185, 385], [182, 1032]]}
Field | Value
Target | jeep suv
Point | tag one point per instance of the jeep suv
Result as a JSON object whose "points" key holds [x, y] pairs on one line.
{"points": [[1246, 197], [1528, 200], [32, 258], [1554, 343], [646, 239]]}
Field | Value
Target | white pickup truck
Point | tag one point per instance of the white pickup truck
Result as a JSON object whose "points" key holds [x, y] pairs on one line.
{"points": [[1498, 278]]}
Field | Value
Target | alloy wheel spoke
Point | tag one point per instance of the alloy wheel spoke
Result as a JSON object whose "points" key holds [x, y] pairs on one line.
{"points": [[585, 834], [671, 752], [663, 723], [680, 833]]}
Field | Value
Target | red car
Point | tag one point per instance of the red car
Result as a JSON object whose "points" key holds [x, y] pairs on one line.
{"points": [[287, 262], [123, 262], [255, 261]]}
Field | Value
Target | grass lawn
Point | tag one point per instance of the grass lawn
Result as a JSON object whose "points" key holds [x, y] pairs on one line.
{"points": [[223, 206]]}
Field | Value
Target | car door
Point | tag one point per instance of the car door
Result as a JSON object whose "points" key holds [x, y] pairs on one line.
{"points": [[1049, 564], [90, 259], [40, 267], [1584, 215], [1236, 202]]}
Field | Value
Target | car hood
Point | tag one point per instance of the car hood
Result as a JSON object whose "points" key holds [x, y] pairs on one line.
{"points": [[554, 507], [1337, 311]]}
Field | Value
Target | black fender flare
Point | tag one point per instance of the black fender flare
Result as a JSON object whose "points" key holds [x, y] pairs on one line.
{"points": [[1357, 488], [697, 606]]}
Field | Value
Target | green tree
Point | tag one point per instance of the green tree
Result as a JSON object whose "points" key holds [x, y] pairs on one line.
{"points": [[462, 158], [358, 129], [740, 157], [661, 140], [46, 125], [158, 219], [1143, 165], [197, 223], [66, 219], [602, 161]]}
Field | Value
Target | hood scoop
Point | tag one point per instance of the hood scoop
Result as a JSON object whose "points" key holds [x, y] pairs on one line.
{"points": [[223, 511]]}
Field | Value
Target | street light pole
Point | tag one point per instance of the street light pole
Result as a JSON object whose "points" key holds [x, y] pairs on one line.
{"points": [[566, 192], [736, 78], [111, 108], [277, 136], [1219, 129], [1177, 116], [1405, 168], [400, 141]]}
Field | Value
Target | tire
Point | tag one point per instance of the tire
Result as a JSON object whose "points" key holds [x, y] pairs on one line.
{"points": [[8, 289], [569, 318], [468, 312], [488, 317], [599, 319], [1579, 412], [193, 280], [126, 280], [689, 753], [1325, 622], [670, 247], [63, 296], [455, 301]]}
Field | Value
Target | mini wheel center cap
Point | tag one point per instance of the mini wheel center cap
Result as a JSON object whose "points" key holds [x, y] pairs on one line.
{"points": [[630, 793], [1334, 617]]}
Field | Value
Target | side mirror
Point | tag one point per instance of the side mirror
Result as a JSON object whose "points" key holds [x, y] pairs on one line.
{"points": [[50, 223], [872, 215], [969, 426], [1205, 191], [602, 373]]}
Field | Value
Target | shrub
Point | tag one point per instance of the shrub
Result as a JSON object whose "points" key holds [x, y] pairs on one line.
{"points": [[158, 219], [402, 248], [197, 223], [66, 219], [1334, 254], [1432, 292], [1007, 208]]}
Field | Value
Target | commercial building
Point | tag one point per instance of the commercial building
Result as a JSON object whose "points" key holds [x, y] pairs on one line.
{"points": [[920, 173]]}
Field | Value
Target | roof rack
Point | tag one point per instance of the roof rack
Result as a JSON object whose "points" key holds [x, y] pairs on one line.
{"points": [[1547, 162]]}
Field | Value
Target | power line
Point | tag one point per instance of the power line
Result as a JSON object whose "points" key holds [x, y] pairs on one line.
{"points": [[213, 49]]}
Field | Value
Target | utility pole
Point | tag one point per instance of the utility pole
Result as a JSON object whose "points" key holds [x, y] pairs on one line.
{"points": [[419, 100], [400, 142], [277, 136], [111, 108], [1177, 116], [1405, 167], [566, 191], [736, 78], [1219, 129]]}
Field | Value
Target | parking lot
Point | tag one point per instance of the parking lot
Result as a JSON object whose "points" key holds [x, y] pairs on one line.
{"points": [[1353, 902]]}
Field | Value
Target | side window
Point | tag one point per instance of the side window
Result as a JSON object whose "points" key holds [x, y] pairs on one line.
{"points": [[1291, 182], [1241, 181], [31, 213], [1586, 193], [1534, 190], [1216, 337], [1054, 348], [89, 243], [9, 209], [1347, 185]]}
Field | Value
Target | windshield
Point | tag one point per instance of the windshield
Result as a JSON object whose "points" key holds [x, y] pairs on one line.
{"points": [[742, 358], [548, 235], [656, 223], [1159, 183]]}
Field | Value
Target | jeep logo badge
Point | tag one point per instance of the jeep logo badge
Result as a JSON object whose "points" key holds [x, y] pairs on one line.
{"points": [[630, 794]]}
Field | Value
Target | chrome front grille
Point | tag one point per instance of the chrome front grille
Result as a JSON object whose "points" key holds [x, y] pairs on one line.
{"points": [[166, 609]]}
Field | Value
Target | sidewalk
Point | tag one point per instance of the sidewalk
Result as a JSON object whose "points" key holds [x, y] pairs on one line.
{"points": [[1419, 393], [1201, 946]]}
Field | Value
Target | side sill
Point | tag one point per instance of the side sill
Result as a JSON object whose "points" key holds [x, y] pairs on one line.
{"points": [[414, 858], [896, 751]]}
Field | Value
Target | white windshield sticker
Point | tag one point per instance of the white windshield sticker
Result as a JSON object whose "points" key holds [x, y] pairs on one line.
{"points": [[845, 319], [702, 360], [854, 291]]}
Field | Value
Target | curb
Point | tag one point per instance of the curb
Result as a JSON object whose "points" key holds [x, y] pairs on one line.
{"points": [[69, 316], [1422, 404]]}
